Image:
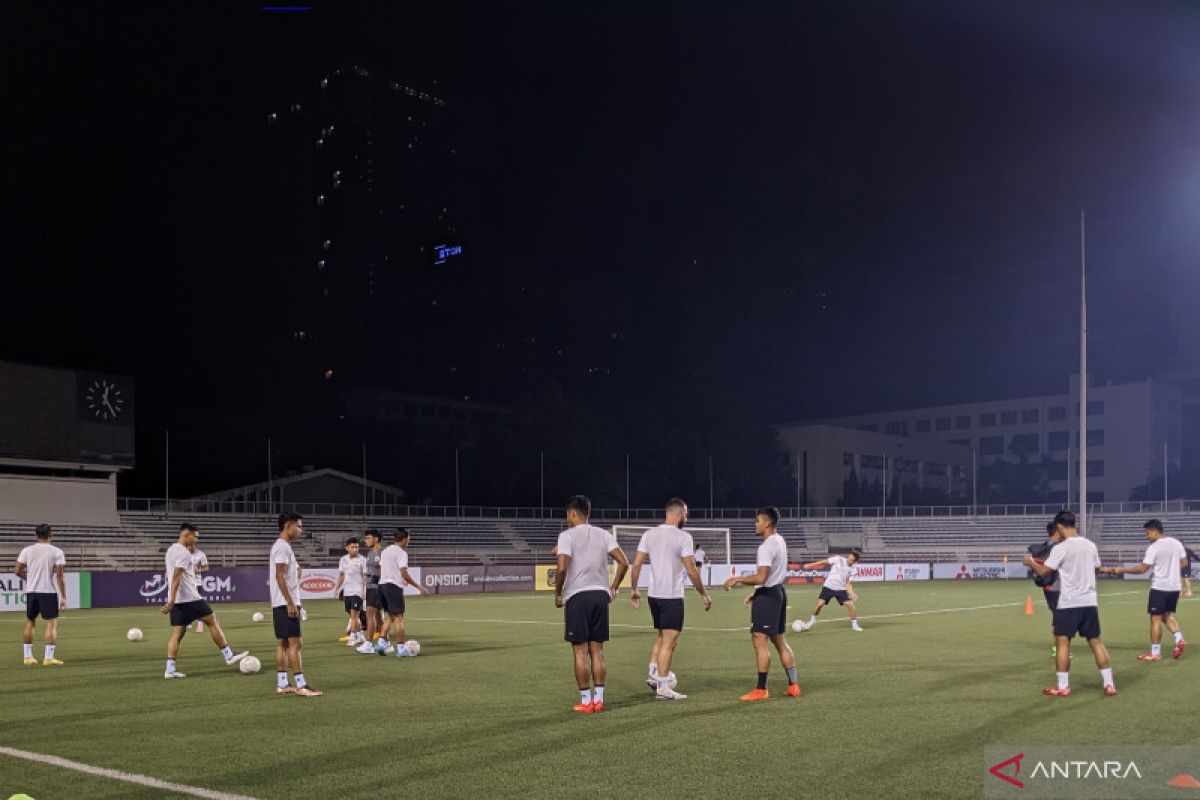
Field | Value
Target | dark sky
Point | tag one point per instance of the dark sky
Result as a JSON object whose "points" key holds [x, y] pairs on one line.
{"points": [[833, 207]]}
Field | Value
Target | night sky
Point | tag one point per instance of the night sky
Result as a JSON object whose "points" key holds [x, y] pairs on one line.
{"points": [[787, 209]]}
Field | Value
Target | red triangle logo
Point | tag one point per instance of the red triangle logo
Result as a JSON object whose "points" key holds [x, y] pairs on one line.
{"points": [[1016, 762]]}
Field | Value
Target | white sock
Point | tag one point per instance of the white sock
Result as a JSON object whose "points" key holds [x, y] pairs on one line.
{"points": [[653, 669], [854, 623], [1106, 676], [281, 679], [812, 620], [49, 651], [585, 695], [662, 683], [300, 682], [1155, 649], [1063, 679], [28, 650], [170, 665], [598, 694], [227, 652], [1178, 637]]}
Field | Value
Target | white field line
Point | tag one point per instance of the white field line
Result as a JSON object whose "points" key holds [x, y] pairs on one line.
{"points": [[742, 629], [117, 775]]}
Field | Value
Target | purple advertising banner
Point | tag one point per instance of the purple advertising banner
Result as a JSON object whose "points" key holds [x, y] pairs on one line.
{"points": [[453, 580], [508, 579], [115, 589]]}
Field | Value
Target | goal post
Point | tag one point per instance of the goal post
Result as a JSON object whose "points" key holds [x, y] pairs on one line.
{"points": [[714, 541]]}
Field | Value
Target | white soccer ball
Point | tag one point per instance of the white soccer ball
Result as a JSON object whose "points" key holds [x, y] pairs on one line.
{"points": [[257, 616], [249, 665], [134, 634], [798, 626], [672, 681], [412, 647]]}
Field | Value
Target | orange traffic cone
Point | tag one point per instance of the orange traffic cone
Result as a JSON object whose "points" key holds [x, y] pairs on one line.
{"points": [[1029, 605]]}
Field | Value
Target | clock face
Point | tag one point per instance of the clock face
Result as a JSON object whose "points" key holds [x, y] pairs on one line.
{"points": [[103, 400]]}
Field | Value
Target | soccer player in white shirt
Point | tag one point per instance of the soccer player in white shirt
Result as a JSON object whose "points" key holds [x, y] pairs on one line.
{"points": [[582, 589], [1076, 560], [1165, 556], [768, 604], [284, 574], [184, 603], [41, 566], [352, 581], [393, 575], [671, 555], [199, 566], [837, 586]]}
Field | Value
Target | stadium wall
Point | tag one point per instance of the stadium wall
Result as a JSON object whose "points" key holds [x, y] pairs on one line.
{"points": [[59, 501]]}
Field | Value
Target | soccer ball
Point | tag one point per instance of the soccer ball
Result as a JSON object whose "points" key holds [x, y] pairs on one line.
{"points": [[257, 616], [134, 634], [249, 665], [412, 647], [798, 626]]}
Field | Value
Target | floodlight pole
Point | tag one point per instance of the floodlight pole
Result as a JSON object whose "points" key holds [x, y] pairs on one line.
{"points": [[364, 481], [167, 485], [270, 484], [1083, 375], [541, 481], [1165, 469]]}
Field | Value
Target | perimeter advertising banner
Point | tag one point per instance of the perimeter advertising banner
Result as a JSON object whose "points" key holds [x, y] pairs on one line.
{"points": [[12, 591], [116, 589], [982, 570], [907, 572], [462, 580]]}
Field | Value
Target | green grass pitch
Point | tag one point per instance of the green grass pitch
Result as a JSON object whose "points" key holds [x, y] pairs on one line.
{"points": [[903, 709]]}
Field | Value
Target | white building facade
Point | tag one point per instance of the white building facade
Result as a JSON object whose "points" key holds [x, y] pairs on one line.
{"points": [[1128, 426]]}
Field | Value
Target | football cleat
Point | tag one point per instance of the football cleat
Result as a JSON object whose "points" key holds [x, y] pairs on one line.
{"points": [[584, 708], [793, 690], [652, 681], [345, 638], [236, 658], [365, 648], [285, 690], [1054, 691], [308, 691], [755, 694], [597, 706], [51, 662], [1110, 690], [173, 674], [30, 662], [1149, 657], [668, 694], [1178, 651]]}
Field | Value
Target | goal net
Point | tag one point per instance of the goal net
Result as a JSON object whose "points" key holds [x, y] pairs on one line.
{"points": [[713, 541]]}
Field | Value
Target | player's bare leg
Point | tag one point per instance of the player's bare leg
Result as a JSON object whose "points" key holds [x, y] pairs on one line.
{"points": [[397, 632], [667, 640]]}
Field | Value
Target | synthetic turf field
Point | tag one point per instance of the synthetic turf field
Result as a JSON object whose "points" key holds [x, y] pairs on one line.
{"points": [[903, 709]]}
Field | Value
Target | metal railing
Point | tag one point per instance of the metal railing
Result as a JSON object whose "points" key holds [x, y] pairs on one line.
{"points": [[163, 507]]}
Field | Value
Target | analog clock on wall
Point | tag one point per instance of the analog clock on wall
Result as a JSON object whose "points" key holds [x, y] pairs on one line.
{"points": [[103, 400]]}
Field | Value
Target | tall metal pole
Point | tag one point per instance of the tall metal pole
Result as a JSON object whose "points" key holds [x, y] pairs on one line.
{"points": [[270, 479], [457, 488], [627, 485], [974, 484], [1069, 451], [1165, 470], [799, 478], [1083, 375], [709, 487], [364, 480], [167, 487], [883, 494], [541, 481]]}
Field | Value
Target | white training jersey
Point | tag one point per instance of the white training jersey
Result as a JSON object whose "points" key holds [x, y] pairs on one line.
{"points": [[179, 557], [1164, 556], [393, 559], [40, 560], [773, 553], [354, 575], [667, 546], [841, 572], [199, 560], [1076, 560], [588, 547], [282, 553]]}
